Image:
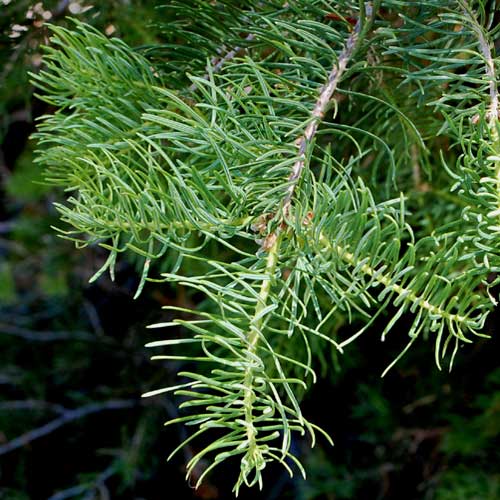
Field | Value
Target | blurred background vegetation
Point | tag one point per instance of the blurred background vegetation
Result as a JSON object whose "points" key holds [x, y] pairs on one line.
{"points": [[72, 362]]}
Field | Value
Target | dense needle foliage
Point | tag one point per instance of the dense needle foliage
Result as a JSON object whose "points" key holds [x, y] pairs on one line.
{"points": [[300, 165]]}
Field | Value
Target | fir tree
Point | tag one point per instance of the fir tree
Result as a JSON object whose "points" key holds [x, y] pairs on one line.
{"points": [[301, 165]]}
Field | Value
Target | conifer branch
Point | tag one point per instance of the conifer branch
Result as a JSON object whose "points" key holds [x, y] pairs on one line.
{"points": [[484, 45], [492, 115], [254, 453], [158, 175], [488, 180], [321, 106], [388, 282]]}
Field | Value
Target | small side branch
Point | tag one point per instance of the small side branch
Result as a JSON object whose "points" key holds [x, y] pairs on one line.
{"points": [[490, 71], [387, 282], [218, 62], [66, 417], [44, 336], [489, 63], [319, 110], [90, 487], [493, 112]]}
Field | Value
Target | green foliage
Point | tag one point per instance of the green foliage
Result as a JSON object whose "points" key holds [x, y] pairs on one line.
{"points": [[7, 285], [23, 28], [473, 435], [289, 185], [26, 182], [464, 484], [326, 479]]}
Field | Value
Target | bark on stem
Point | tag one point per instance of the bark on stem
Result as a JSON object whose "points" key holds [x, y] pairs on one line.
{"points": [[319, 110], [490, 71], [489, 64]]}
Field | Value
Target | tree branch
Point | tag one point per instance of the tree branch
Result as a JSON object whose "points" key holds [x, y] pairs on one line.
{"points": [[66, 417], [490, 71], [32, 404], [90, 487], [319, 110], [489, 63], [254, 453], [42, 336], [218, 62]]}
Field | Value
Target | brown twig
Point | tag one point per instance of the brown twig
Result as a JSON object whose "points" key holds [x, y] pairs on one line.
{"points": [[489, 64], [490, 71], [418, 183], [423, 401], [319, 110], [418, 436], [218, 62]]}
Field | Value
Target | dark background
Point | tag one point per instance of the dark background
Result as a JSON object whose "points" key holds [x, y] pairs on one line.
{"points": [[73, 365]]}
